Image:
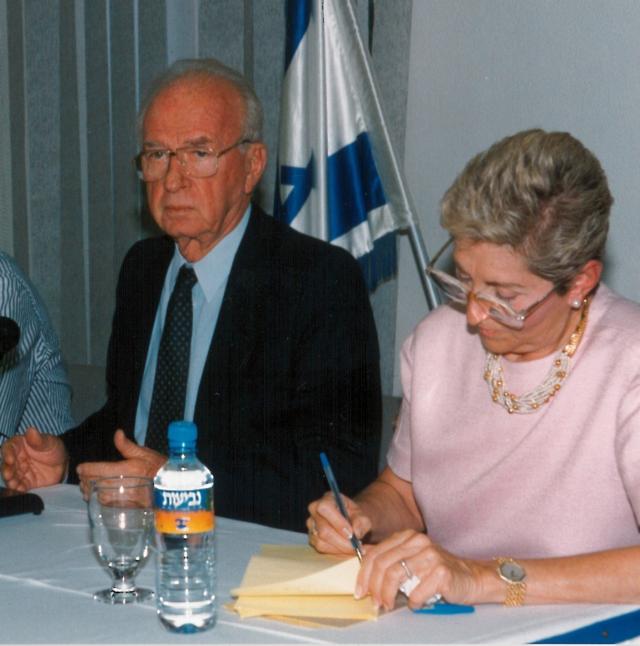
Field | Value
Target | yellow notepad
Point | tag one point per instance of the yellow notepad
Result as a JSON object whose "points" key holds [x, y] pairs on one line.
{"points": [[296, 581]]}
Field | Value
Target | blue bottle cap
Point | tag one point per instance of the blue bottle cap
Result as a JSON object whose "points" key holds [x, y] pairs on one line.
{"points": [[182, 433]]}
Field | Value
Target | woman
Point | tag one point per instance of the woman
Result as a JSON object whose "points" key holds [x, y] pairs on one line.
{"points": [[514, 473]]}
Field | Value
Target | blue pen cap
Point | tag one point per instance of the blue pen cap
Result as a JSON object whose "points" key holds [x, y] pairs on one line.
{"points": [[182, 434]]}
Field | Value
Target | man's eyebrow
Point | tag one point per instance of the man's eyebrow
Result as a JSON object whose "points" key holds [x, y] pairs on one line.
{"points": [[152, 144], [197, 141]]}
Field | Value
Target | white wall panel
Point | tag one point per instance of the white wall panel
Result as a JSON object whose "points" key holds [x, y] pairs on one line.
{"points": [[482, 69]]}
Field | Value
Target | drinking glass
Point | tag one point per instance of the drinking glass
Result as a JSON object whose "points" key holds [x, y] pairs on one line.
{"points": [[121, 515]]}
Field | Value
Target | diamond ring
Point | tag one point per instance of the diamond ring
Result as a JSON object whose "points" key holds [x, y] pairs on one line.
{"points": [[406, 569], [413, 582]]}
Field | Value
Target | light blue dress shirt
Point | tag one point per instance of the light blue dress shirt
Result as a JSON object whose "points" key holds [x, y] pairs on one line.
{"points": [[212, 272]]}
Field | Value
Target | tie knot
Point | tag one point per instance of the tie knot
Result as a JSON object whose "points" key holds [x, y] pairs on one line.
{"points": [[186, 277]]}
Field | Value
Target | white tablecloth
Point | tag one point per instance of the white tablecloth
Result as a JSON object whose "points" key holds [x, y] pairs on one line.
{"points": [[48, 572]]}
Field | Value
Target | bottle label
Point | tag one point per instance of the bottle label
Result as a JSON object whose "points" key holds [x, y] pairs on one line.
{"points": [[184, 512]]}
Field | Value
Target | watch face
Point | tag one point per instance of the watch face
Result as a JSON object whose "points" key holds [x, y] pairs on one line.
{"points": [[512, 571]]}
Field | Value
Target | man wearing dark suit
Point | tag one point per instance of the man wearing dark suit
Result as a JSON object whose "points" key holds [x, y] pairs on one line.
{"points": [[284, 356]]}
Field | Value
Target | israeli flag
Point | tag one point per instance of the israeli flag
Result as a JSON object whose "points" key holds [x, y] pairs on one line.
{"points": [[337, 178]]}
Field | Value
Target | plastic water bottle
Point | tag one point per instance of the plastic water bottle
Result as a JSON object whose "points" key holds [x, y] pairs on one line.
{"points": [[185, 538]]}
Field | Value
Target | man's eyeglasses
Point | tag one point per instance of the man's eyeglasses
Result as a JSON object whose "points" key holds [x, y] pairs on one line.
{"points": [[196, 161], [496, 308]]}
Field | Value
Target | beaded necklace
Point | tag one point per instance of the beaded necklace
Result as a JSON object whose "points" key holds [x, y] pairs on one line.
{"points": [[542, 394]]}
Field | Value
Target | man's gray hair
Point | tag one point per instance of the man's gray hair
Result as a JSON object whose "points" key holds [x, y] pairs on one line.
{"points": [[208, 69], [542, 193]]}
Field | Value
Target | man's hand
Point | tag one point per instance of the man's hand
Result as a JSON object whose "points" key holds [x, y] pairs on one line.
{"points": [[33, 460], [138, 461]]}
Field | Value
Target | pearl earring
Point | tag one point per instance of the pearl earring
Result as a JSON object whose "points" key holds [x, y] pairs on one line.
{"points": [[576, 303]]}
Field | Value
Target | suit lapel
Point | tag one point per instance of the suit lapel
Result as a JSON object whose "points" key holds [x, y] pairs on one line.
{"points": [[241, 312], [154, 271], [240, 317], [154, 261]]}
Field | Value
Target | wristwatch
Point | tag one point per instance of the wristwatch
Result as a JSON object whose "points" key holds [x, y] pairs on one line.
{"points": [[513, 574]]}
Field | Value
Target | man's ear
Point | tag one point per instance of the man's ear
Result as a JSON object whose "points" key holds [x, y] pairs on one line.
{"points": [[585, 281], [255, 163]]}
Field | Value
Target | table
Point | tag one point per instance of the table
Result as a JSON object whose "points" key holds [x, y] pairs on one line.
{"points": [[48, 572]]}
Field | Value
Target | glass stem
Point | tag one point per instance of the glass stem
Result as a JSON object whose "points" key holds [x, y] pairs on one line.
{"points": [[123, 583]]}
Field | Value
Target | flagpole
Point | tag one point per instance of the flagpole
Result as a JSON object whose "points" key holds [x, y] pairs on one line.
{"points": [[320, 166], [422, 260]]}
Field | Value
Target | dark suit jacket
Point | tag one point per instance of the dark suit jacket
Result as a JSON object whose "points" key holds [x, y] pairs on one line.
{"points": [[293, 369]]}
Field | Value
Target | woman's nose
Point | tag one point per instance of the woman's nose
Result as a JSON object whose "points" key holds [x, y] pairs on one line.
{"points": [[476, 311]]}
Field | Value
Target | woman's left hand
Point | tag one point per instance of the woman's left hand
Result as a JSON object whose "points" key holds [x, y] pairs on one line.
{"points": [[382, 573]]}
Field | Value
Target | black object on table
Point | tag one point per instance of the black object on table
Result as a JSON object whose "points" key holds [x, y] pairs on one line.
{"points": [[14, 502]]}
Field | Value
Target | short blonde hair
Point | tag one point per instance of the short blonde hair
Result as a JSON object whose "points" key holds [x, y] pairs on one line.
{"points": [[542, 193]]}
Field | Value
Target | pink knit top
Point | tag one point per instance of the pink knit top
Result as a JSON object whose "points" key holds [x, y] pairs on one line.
{"points": [[563, 480]]}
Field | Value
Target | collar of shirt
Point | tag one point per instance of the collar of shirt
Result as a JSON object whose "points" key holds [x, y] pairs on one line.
{"points": [[213, 270]]}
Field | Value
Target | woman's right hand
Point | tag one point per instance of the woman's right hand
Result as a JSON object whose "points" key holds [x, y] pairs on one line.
{"points": [[329, 531]]}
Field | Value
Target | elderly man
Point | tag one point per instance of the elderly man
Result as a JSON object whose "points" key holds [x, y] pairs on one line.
{"points": [[260, 335]]}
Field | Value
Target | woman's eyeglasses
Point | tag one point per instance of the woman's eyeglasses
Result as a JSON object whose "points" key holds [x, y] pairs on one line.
{"points": [[496, 308]]}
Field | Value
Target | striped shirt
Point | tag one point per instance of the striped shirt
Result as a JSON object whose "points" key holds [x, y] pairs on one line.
{"points": [[34, 389]]}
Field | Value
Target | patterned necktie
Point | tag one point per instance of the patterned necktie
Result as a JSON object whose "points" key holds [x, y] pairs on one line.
{"points": [[172, 369]]}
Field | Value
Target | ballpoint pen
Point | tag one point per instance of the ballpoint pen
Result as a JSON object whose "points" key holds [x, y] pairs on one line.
{"points": [[331, 479]]}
